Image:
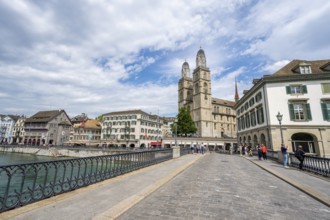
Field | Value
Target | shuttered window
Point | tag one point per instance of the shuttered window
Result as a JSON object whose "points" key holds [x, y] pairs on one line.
{"points": [[325, 106], [300, 112], [296, 89]]}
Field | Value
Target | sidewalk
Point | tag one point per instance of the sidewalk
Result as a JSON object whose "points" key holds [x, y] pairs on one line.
{"points": [[312, 184], [107, 199]]}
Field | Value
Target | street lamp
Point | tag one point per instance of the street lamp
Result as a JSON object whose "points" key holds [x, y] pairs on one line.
{"points": [[279, 118], [176, 130]]}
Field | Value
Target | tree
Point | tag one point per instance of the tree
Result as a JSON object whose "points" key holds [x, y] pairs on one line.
{"points": [[185, 123]]}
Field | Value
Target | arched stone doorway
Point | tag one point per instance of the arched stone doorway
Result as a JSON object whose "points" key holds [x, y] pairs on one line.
{"points": [[307, 142], [142, 146], [255, 140], [132, 145], [262, 139], [249, 141]]}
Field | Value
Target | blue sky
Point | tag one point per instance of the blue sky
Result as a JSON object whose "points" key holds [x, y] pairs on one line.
{"points": [[101, 56]]}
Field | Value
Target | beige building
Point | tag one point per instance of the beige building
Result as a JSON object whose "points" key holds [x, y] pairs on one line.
{"points": [[86, 132], [213, 117], [300, 93], [47, 128], [132, 128]]}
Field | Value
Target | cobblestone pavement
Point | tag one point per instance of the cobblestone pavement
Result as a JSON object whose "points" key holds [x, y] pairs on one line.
{"points": [[227, 187]]}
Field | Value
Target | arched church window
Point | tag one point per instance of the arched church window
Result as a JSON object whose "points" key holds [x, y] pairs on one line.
{"points": [[196, 88], [205, 91]]}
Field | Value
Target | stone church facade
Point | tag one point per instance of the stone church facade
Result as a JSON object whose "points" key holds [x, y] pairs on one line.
{"points": [[213, 117]]}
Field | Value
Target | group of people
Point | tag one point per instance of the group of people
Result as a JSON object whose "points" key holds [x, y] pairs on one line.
{"points": [[198, 149], [262, 151], [299, 154]]}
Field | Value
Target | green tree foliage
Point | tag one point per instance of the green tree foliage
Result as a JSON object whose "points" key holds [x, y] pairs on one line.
{"points": [[185, 123], [100, 118]]}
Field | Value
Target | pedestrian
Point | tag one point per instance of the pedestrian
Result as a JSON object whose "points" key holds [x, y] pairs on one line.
{"points": [[284, 150], [250, 150], [259, 151], [202, 148], [300, 155], [243, 150], [192, 148], [197, 149], [264, 151]]}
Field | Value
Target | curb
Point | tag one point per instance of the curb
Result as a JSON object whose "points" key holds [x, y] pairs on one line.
{"points": [[302, 187]]}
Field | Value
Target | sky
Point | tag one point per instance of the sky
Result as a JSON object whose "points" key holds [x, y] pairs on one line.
{"points": [[100, 56]]}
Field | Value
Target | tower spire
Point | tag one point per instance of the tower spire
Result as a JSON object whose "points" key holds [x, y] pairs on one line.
{"points": [[236, 91]]}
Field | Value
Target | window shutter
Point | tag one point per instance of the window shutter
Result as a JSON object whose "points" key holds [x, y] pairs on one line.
{"points": [[291, 112], [308, 111], [324, 111], [304, 89], [288, 90]]}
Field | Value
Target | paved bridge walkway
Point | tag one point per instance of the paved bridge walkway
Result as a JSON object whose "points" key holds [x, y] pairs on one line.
{"points": [[212, 186]]}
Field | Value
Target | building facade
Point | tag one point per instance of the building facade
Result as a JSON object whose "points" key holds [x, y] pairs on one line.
{"points": [[213, 117], [18, 131], [300, 92], [87, 132], [133, 128], [47, 128], [7, 124]]}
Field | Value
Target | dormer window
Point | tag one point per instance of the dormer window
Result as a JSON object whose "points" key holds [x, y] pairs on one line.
{"points": [[303, 68]]}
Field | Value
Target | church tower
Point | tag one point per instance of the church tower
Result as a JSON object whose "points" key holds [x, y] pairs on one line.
{"points": [[185, 87], [202, 99]]}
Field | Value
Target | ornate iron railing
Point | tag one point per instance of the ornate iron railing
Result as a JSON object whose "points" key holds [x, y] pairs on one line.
{"points": [[184, 151], [22, 184], [313, 164], [273, 155]]}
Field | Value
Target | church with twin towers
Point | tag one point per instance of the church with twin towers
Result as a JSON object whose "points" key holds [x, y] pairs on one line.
{"points": [[213, 117]]}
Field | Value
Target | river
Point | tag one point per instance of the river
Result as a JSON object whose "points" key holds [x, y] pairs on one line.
{"points": [[17, 158]]}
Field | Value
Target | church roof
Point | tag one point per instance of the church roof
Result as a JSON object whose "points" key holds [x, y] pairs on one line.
{"points": [[223, 102]]}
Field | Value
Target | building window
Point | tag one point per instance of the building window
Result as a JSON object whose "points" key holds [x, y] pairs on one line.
{"points": [[305, 69], [253, 118], [300, 111], [325, 88], [260, 115], [246, 106], [296, 89], [251, 102], [247, 120], [258, 97], [325, 106], [228, 111]]}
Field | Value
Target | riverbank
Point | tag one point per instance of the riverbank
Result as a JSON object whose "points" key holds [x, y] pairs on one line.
{"points": [[58, 152]]}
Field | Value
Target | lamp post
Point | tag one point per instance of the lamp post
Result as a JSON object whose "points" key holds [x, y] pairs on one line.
{"points": [[176, 130], [279, 118]]}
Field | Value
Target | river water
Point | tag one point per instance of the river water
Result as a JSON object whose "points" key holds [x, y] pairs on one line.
{"points": [[17, 158]]}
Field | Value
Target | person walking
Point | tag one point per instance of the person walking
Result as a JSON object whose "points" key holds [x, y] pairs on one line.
{"points": [[259, 151], [284, 150], [264, 151], [300, 155], [192, 148], [202, 148]]}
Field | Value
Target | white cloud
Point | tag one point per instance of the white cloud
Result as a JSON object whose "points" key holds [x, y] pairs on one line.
{"points": [[89, 56]]}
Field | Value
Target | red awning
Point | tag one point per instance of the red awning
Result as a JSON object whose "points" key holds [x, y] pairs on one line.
{"points": [[156, 143]]}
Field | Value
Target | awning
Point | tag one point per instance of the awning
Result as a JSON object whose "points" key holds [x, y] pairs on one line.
{"points": [[155, 143]]}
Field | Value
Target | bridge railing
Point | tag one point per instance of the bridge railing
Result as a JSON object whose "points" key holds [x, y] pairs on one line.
{"points": [[184, 151], [313, 164], [22, 184]]}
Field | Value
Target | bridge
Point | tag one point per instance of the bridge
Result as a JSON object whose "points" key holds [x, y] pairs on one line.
{"points": [[193, 186]]}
